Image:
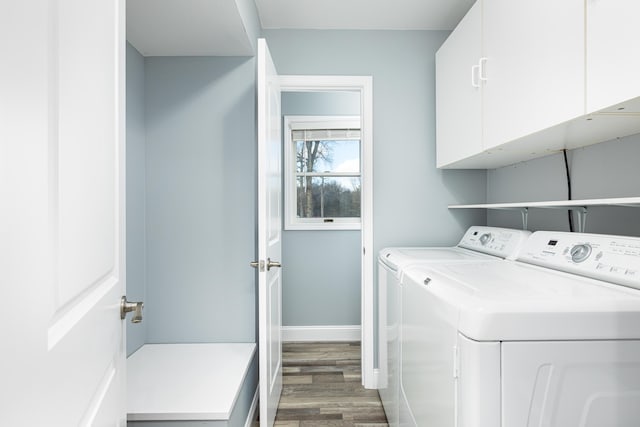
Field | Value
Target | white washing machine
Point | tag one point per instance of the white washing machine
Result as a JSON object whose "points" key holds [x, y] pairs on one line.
{"points": [[479, 243], [551, 339]]}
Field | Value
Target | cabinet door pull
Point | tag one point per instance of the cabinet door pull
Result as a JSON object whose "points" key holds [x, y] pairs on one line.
{"points": [[474, 75], [482, 75]]}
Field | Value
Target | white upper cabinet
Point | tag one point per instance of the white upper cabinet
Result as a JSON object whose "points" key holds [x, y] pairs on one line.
{"points": [[552, 75], [534, 66], [508, 70], [613, 53], [458, 97]]}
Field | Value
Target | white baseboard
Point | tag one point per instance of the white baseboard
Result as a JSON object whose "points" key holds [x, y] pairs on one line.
{"points": [[376, 378], [321, 333], [252, 410]]}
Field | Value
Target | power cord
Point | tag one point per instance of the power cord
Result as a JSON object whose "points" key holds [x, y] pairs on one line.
{"points": [[566, 167]]}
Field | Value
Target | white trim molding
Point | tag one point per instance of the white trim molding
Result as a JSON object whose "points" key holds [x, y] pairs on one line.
{"points": [[321, 333], [377, 378]]}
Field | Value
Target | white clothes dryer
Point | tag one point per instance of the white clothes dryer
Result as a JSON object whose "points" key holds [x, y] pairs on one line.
{"points": [[479, 243], [551, 339]]}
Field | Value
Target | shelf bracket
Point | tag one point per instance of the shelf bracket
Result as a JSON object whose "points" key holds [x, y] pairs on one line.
{"points": [[525, 217], [581, 214]]}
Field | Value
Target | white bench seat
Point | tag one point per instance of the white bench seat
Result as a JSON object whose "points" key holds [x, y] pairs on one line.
{"points": [[171, 382]]}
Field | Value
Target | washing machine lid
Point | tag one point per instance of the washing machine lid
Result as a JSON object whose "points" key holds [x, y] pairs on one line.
{"points": [[399, 258], [513, 301], [478, 243]]}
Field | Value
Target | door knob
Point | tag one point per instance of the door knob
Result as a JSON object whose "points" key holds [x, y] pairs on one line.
{"points": [[127, 306], [261, 264], [272, 264]]}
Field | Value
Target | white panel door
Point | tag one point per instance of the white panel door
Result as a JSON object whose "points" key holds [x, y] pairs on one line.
{"points": [[458, 91], [269, 234], [62, 224], [534, 66], [613, 57]]}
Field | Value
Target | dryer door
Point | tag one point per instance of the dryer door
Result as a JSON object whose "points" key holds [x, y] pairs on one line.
{"points": [[428, 337]]}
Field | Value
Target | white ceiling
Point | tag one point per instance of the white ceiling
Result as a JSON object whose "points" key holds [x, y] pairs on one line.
{"points": [[216, 27], [187, 28], [362, 14]]}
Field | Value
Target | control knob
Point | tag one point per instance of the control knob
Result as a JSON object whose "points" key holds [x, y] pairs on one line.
{"points": [[485, 238], [581, 252]]}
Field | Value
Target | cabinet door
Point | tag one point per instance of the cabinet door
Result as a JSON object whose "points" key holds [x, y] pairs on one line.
{"points": [[458, 99], [613, 55], [534, 66]]}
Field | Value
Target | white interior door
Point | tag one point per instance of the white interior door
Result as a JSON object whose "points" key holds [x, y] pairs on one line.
{"points": [[62, 223], [269, 235]]}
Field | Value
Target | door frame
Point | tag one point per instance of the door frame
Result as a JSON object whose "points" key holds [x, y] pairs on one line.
{"points": [[364, 86]]}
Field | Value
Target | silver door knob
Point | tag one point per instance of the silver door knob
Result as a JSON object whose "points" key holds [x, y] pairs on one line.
{"points": [[127, 306], [272, 264]]}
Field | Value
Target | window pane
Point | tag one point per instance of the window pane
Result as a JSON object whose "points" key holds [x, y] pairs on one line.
{"points": [[328, 156], [328, 197]]}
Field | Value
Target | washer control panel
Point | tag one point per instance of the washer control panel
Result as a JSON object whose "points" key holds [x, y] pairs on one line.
{"points": [[614, 259], [501, 242]]}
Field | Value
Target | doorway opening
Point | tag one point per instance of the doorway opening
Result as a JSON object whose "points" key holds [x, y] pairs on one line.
{"points": [[354, 100]]}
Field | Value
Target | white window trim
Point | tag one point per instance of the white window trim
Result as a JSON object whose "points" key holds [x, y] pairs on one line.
{"points": [[291, 221]]}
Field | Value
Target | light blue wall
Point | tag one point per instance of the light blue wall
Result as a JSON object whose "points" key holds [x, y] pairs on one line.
{"points": [[136, 265], [201, 199], [191, 212], [322, 267], [410, 194], [608, 169], [321, 103], [200, 173]]}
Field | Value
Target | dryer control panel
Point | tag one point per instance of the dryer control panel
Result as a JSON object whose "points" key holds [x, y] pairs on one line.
{"points": [[614, 259], [502, 242]]}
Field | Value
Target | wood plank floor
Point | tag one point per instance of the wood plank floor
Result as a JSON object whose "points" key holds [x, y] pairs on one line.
{"points": [[322, 388]]}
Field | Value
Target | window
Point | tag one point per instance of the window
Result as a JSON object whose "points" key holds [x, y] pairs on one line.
{"points": [[322, 172]]}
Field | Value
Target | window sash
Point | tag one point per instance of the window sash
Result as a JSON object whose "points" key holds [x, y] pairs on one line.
{"points": [[325, 135], [317, 128], [329, 174]]}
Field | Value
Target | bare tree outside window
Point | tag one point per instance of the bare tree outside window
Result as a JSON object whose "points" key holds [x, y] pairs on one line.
{"points": [[326, 189]]}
